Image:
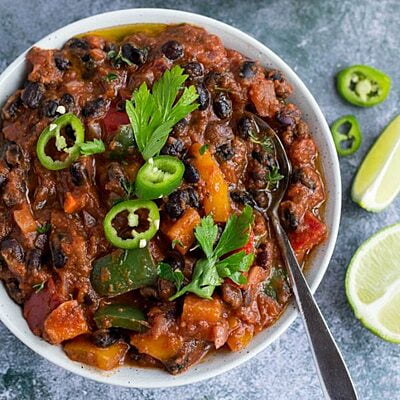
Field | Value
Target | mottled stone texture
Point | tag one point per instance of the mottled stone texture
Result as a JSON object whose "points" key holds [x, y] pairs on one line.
{"points": [[316, 38]]}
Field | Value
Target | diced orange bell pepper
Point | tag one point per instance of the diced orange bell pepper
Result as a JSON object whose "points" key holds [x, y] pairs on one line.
{"points": [[162, 347], [83, 350], [182, 230], [240, 336], [216, 199], [24, 219], [73, 203], [65, 322]]}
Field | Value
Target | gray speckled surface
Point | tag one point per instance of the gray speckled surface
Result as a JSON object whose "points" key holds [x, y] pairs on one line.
{"points": [[316, 38]]}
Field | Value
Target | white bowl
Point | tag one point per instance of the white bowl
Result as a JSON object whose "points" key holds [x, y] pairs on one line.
{"points": [[217, 363]]}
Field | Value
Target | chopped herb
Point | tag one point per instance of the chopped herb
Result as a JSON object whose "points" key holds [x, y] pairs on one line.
{"points": [[203, 149], [273, 177], [117, 57], [266, 142], [176, 276], [111, 77], [39, 287], [176, 242], [154, 113], [129, 188], [95, 146], [43, 228], [210, 272], [277, 283]]}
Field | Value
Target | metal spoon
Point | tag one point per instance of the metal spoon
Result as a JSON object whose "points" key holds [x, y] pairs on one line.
{"points": [[334, 377]]}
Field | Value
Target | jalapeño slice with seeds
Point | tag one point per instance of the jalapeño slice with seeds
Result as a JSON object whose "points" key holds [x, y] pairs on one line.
{"points": [[347, 135]]}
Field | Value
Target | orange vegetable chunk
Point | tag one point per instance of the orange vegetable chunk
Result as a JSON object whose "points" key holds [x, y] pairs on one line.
{"points": [[65, 322], [183, 230], [196, 309], [83, 350], [216, 199], [24, 219], [162, 347]]}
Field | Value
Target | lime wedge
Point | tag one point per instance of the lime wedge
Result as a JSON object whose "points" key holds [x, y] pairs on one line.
{"points": [[373, 283], [378, 179]]}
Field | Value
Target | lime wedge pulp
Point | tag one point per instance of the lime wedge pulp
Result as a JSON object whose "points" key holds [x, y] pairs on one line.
{"points": [[378, 179], [373, 283]]}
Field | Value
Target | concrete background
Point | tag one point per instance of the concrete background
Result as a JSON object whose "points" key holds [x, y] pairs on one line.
{"points": [[316, 38]]}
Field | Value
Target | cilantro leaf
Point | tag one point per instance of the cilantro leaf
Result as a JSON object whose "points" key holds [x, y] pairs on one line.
{"points": [[153, 114], [43, 228], [210, 272], [236, 232], [39, 287], [206, 234], [176, 276], [92, 147]]}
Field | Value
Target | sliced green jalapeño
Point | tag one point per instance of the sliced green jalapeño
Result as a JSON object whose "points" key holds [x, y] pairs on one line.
{"points": [[347, 135], [137, 238], [363, 86], [158, 177], [54, 131]]}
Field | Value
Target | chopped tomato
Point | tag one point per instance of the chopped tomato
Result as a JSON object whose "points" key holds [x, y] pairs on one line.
{"points": [[40, 305], [310, 233], [114, 119]]}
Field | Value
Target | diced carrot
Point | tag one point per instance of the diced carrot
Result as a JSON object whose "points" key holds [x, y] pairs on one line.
{"points": [[83, 350], [72, 203], [216, 199], [162, 347], [196, 309], [182, 231], [65, 322], [24, 219]]}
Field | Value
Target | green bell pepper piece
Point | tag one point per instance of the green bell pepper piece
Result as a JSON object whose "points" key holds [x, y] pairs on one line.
{"points": [[123, 271], [121, 316]]}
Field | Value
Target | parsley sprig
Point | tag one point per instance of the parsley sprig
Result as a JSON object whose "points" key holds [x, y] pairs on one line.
{"points": [[210, 271], [165, 271], [153, 114]]}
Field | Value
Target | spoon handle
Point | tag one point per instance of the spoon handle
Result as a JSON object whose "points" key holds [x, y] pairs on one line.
{"points": [[332, 371]]}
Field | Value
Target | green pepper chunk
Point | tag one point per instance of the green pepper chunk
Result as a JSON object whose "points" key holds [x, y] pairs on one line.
{"points": [[139, 239], [347, 135], [122, 271], [122, 143], [54, 131], [121, 316], [158, 177], [363, 86]]}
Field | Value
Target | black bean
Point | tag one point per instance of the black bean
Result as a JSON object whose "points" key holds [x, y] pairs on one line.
{"points": [[174, 148], [247, 69], [191, 197], [175, 260], [222, 106], [274, 75], [285, 119], [15, 107], [133, 54], [105, 337], [172, 50], [10, 248], [289, 219], [261, 198], [76, 43], [214, 79], [57, 255], [49, 109], [62, 63], [41, 241], [242, 198], [86, 58], [67, 101], [13, 155], [225, 151], [300, 176], [93, 108], [195, 70], [34, 258], [78, 174], [174, 206], [32, 94], [14, 291], [191, 175], [245, 127], [204, 96]]}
